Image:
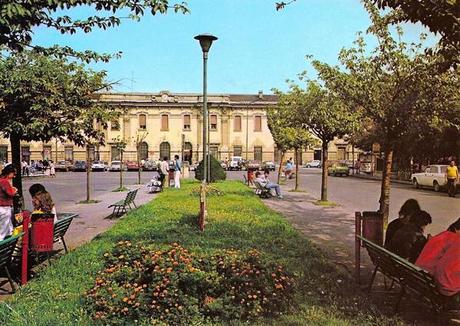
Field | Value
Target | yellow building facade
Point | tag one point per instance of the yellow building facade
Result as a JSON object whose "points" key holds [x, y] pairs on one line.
{"points": [[165, 124]]}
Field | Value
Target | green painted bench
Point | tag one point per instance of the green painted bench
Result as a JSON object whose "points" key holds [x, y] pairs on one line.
{"points": [[61, 227], [261, 190], [7, 247], [411, 278], [121, 206]]}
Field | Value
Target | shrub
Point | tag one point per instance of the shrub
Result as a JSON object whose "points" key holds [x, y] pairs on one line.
{"points": [[175, 286], [217, 172]]}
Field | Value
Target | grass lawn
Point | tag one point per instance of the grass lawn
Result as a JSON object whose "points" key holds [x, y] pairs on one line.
{"points": [[239, 220]]}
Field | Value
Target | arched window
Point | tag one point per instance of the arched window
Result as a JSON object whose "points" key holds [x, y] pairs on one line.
{"points": [[143, 151], [187, 152], [165, 150]]}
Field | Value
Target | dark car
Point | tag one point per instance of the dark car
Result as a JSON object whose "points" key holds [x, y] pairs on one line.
{"points": [[268, 165], [79, 166]]}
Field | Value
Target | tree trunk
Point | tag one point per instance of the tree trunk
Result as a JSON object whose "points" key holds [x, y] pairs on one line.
{"points": [[324, 172], [296, 153], [353, 157], [15, 141], [280, 167], [121, 170], [385, 186], [88, 175]]}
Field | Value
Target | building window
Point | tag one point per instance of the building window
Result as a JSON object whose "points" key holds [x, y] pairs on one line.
{"points": [[115, 153], [115, 125], [213, 122], [214, 151], [143, 151], [237, 123], [142, 121], [164, 122], [3, 153], [68, 153], [258, 153], [47, 152], [91, 152], [237, 150], [165, 150], [187, 125], [257, 123], [25, 153], [187, 152]]}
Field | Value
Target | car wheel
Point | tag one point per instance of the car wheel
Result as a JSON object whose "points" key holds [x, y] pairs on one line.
{"points": [[436, 186], [415, 183]]}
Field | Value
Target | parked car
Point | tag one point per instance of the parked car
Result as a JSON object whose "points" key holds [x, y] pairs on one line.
{"points": [[132, 166], [150, 165], [313, 164], [63, 166], [193, 166], [236, 163], [116, 166], [338, 169], [268, 165], [79, 166], [433, 177], [98, 166], [224, 165], [253, 165]]}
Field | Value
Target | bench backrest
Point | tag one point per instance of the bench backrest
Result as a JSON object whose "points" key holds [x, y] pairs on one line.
{"points": [[61, 226], [402, 270], [6, 249], [258, 185], [130, 196]]}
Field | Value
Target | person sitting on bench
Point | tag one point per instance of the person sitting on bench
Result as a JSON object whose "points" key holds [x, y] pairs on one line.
{"points": [[266, 183], [440, 257], [41, 200], [409, 241], [409, 208]]}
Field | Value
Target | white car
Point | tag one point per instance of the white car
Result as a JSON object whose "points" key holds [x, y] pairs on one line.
{"points": [[433, 177], [235, 163], [313, 164], [98, 166], [116, 166]]}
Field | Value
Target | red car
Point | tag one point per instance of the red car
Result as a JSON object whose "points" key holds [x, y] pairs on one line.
{"points": [[132, 166]]}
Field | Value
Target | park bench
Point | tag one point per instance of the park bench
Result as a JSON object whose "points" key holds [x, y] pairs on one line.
{"points": [[261, 190], [121, 206], [411, 278], [61, 227], [7, 247]]}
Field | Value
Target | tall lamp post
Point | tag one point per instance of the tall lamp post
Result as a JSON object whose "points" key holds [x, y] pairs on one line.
{"points": [[205, 43]]}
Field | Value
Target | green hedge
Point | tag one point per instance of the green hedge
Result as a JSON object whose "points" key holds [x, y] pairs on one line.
{"points": [[217, 172], [237, 220]]}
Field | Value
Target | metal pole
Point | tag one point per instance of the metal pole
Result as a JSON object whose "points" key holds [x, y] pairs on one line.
{"points": [[247, 132], [205, 116]]}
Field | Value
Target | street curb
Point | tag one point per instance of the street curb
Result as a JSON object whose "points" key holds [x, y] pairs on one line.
{"points": [[359, 176]]}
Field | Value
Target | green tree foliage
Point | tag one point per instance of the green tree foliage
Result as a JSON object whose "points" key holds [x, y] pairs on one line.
{"points": [[321, 113], [18, 18], [398, 89], [217, 172], [44, 98]]}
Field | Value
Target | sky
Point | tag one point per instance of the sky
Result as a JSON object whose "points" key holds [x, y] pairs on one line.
{"points": [[258, 48]]}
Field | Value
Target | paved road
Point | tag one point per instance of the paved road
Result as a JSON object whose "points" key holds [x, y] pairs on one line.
{"points": [[355, 194], [352, 194]]}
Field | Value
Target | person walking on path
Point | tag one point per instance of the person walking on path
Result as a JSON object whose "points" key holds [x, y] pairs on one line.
{"points": [[177, 167], [452, 179], [52, 169], [7, 192], [288, 169], [164, 171]]}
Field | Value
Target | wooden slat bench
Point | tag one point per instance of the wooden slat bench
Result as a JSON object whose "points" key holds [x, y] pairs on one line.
{"points": [[121, 206], [261, 190], [410, 277], [61, 227], [7, 247]]}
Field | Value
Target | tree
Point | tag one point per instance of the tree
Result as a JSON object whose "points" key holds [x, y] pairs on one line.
{"points": [[276, 123], [19, 18], [322, 114], [120, 144], [44, 98], [398, 89], [140, 137]]}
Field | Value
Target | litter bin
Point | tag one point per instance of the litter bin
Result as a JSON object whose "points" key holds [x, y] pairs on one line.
{"points": [[373, 227], [170, 177], [41, 234]]}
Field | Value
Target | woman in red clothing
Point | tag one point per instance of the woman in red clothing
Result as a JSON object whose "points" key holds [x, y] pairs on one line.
{"points": [[7, 192], [441, 258]]}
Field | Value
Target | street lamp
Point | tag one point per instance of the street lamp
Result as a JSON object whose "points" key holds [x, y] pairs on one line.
{"points": [[205, 43]]}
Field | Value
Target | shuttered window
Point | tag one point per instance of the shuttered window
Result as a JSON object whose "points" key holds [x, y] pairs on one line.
{"points": [[142, 121], [187, 122], [237, 123], [164, 122], [257, 123], [213, 122]]}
